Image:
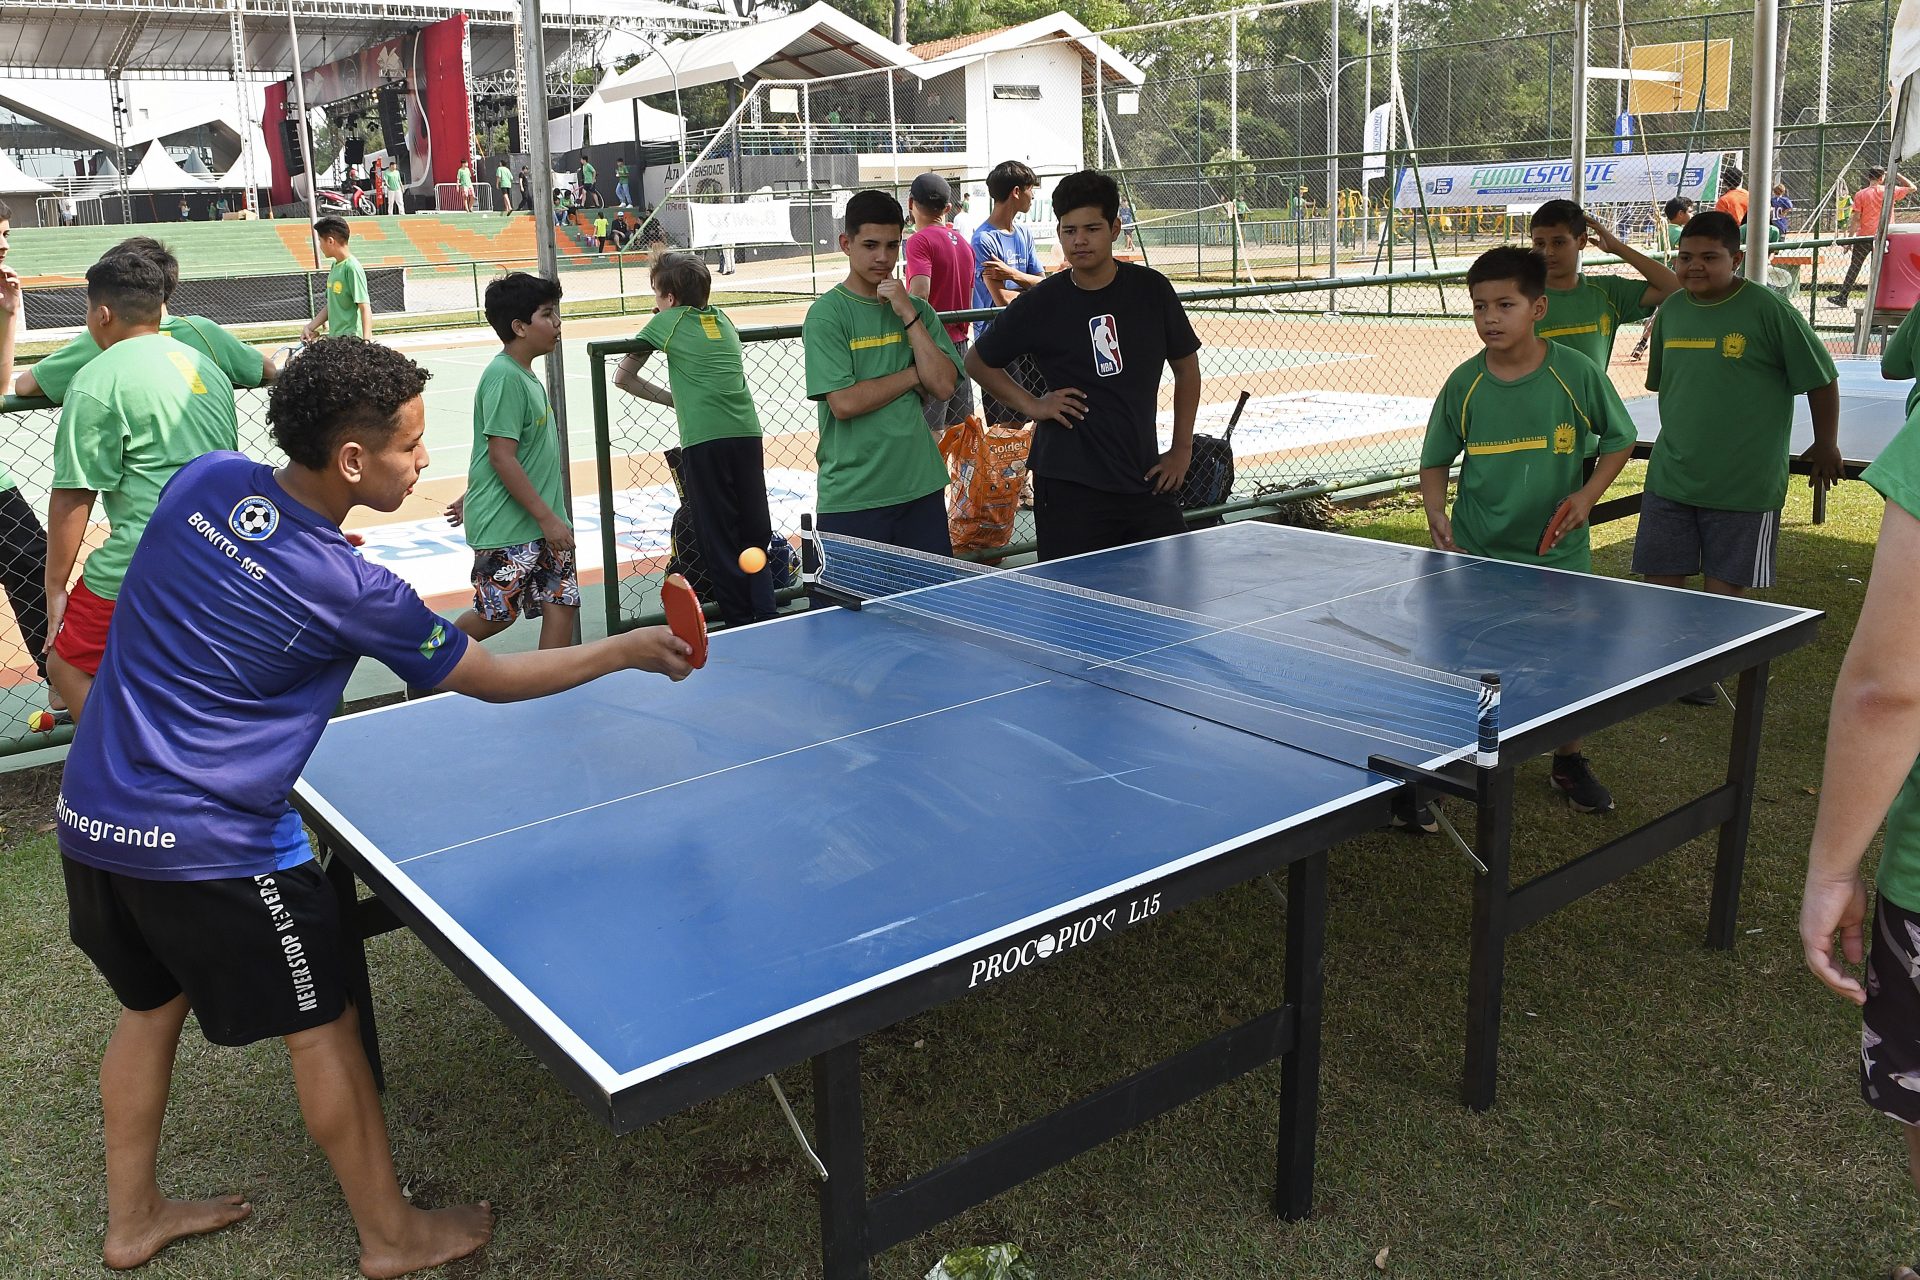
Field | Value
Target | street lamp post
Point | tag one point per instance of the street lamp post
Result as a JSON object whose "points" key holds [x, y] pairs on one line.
{"points": [[1331, 87]]}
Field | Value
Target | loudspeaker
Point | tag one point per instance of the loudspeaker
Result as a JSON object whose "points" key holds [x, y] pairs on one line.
{"points": [[356, 150], [513, 134], [393, 118], [290, 145]]}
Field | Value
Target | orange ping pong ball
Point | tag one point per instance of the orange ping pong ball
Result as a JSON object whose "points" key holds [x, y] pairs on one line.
{"points": [[753, 560]]}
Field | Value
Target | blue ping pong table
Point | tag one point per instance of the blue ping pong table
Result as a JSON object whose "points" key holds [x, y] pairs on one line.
{"points": [[1872, 411], [854, 815]]}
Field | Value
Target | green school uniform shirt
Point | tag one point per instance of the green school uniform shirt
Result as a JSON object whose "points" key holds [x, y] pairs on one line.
{"points": [[144, 408], [1900, 358], [706, 371], [1522, 441], [346, 290], [464, 178], [887, 456], [511, 403], [503, 178], [243, 366], [1896, 475], [587, 173], [1586, 316], [1727, 373], [392, 179]]}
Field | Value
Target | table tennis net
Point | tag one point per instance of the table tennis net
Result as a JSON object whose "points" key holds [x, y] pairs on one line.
{"points": [[1415, 713]]}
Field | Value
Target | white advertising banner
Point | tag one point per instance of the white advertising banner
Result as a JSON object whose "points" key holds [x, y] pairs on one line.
{"points": [[1628, 179], [752, 222], [1374, 163]]}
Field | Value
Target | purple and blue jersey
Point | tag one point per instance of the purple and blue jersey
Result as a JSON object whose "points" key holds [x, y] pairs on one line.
{"points": [[241, 619]]}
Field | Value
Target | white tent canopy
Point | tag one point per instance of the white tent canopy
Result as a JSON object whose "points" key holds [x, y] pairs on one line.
{"points": [[14, 182], [598, 122], [234, 179], [157, 172], [817, 41]]}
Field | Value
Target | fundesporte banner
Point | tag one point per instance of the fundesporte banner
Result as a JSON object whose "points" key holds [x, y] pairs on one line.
{"points": [[1613, 179]]}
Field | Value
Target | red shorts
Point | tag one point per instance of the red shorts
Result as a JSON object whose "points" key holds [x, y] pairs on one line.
{"points": [[82, 638]]}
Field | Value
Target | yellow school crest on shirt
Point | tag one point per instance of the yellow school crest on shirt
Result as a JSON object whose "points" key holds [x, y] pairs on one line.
{"points": [[1563, 438], [338, 286], [1733, 346]]}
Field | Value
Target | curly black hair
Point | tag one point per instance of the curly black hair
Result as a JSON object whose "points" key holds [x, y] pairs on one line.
{"points": [[340, 388]]}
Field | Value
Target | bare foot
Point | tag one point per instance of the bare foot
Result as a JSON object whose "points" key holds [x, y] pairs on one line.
{"points": [[432, 1236], [134, 1242]]}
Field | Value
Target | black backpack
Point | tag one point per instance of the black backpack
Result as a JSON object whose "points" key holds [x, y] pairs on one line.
{"points": [[1210, 474]]}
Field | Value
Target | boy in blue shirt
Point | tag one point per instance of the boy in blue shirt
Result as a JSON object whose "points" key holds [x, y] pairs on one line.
{"points": [[1004, 265], [189, 881]]}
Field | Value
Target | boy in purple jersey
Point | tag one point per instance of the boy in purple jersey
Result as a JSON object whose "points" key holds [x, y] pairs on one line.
{"points": [[189, 881]]}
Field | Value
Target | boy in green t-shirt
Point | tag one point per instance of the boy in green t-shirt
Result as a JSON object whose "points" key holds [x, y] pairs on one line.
{"points": [[723, 473], [1583, 311], [464, 180], [523, 547], [590, 195], [396, 201], [873, 352], [146, 407], [503, 181], [1871, 774], [348, 312], [1518, 411], [1728, 358], [244, 365]]}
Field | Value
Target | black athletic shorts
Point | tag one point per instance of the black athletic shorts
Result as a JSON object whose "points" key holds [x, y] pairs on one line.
{"points": [[257, 956]]}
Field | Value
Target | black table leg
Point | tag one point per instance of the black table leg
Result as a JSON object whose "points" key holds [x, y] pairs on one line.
{"points": [[353, 939], [1487, 960], [1300, 1067], [839, 1132], [1743, 766]]}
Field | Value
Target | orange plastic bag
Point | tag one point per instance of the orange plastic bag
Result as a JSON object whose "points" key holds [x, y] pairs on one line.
{"points": [[986, 467]]}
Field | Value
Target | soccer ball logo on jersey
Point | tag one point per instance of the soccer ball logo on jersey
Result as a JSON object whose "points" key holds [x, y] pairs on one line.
{"points": [[254, 519], [1106, 345]]}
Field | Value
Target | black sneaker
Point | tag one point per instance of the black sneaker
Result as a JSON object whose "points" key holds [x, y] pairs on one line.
{"points": [[1837, 300], [1414, 821], [1573, 778], [1707, 695]]}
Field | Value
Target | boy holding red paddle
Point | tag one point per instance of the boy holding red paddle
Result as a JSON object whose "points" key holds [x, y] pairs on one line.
{"points": [[190, 883], [1518, 411]]}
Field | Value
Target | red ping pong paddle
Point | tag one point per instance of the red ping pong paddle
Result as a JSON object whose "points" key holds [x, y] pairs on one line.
{"points": [[1553, 525], [684, 617]]}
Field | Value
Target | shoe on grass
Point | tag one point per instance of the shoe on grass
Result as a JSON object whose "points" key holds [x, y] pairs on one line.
{"points": [[1573, 778], [1406, 817], [1707, 695]]}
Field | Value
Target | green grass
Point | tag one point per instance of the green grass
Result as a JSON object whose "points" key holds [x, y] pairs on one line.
{"points": [[1665, 1111]]}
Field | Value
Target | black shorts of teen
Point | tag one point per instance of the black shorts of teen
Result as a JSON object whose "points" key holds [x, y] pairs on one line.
{"points": [[725, 483], [919, 525], [1070, 518], [1023, 371], [941, 414], [258, 956], [1677, 541], [1890, 1022]]}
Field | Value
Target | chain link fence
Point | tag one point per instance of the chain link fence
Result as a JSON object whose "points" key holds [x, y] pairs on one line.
{"points": [[27, 429]]}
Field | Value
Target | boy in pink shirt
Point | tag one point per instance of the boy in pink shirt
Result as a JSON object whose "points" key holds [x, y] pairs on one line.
{"points": [[940, 269]]}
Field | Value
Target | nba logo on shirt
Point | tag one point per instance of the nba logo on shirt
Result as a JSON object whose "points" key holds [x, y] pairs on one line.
{"points": [[1106, 345]]}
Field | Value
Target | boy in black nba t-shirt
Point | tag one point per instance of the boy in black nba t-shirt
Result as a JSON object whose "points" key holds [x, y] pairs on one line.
{"points": [[1100, 333]]}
